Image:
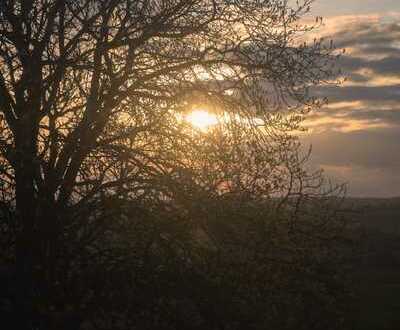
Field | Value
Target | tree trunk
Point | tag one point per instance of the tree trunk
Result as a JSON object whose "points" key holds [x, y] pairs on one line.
{"points": [[26, 242]]}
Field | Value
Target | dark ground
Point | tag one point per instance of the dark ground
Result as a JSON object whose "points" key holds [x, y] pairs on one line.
{"points": [[376, 270]]}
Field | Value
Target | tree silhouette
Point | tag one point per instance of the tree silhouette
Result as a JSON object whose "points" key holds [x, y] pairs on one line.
{"points": [[111, 202]]}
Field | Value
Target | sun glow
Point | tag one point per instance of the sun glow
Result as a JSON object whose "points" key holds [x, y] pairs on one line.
{"points": [[202, 119]]}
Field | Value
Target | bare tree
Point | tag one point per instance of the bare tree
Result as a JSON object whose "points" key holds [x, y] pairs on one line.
{"points": [[92, 100]]}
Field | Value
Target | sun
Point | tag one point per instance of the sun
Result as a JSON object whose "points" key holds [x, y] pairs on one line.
{"points": [[202, 119]]}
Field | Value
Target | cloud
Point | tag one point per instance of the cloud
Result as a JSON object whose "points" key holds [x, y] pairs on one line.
{"points": [[366, 182], [368, 160], [354, 93], [356, 138], [364, 34], [388, 65], [372, 148], [343, 7]]}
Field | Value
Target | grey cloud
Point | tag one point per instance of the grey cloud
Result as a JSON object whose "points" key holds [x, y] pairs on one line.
{"points": [[346, 7], [368, 112], [382, 50], [366, 39], [356, 93], [364, 182], [369, 159], [387, 66], [386, 116], [367, 34], [373, 149]]}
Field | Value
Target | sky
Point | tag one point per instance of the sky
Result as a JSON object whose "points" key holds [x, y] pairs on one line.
{"points": [[328, 8], [356, 137]]}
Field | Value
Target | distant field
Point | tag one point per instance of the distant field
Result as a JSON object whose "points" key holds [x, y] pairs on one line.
{"points": [[377, 267]]}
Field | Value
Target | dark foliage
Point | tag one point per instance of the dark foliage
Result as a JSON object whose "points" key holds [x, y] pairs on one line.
{"points": [[116, 213]]}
